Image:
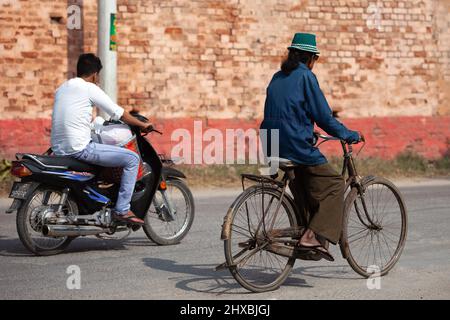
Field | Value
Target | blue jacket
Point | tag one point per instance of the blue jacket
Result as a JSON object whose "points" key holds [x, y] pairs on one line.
{"points": [[294, 103]]}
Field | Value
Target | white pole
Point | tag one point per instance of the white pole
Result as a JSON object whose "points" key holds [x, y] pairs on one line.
{"points": [[107, 51]]}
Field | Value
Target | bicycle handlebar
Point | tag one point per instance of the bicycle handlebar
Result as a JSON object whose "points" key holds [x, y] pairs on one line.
{"points": [[348, 150], [324, 137], [328, 138]]}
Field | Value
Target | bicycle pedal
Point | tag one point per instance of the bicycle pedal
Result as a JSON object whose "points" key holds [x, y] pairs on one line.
{"points": [[246, 244], [221, 266], [308, 255]]}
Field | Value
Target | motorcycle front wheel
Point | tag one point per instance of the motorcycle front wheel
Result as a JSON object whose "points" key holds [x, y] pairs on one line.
{"points": [[160, 226]]}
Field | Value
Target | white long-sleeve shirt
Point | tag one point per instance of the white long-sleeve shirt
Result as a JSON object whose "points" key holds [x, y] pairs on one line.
{"points": [[72, 114]]}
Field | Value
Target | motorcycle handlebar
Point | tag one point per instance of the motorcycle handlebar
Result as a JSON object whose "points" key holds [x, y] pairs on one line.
{"points": [[152, 130]]}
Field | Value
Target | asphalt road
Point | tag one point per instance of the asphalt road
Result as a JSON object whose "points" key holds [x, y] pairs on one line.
{"points": [[135, 268]]}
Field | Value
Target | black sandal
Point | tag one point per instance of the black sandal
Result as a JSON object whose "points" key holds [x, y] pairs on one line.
{"points": [[316, 249]]}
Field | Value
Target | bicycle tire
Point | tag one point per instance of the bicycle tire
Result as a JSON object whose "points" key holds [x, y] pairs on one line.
{"points": [[366, 270], [237, 272]]}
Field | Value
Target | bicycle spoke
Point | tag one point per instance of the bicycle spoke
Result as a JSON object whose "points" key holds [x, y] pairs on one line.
{"points": [[240, 232], [387, 245], [251, 253], [367, 231]]}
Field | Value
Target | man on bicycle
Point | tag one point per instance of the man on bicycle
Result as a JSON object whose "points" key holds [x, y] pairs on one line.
{"points": [[294, 104]]}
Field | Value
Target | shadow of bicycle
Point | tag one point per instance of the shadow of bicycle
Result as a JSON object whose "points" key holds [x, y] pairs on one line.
{"points": [[202, 278], [343, 272]]}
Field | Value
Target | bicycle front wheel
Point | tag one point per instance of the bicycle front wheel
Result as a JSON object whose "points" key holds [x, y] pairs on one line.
{"points": [[252, 218], [375, 227]]}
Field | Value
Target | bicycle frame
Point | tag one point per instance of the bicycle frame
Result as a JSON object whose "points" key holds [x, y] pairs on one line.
{"points": [[353, 180], [348, 165]]}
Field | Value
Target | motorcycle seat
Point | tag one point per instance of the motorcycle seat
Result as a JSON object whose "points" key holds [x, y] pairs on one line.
{"points": [[60, 163]]}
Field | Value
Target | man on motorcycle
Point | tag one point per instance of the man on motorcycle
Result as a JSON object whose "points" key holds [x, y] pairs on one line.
{"points": [[71, 130]]}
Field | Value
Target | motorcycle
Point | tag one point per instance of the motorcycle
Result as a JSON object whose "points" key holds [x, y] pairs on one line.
{"points": [[60, 198]]}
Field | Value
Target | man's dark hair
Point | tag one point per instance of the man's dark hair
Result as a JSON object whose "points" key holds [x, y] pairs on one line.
{"points": [[88, 64], [294, 58]]}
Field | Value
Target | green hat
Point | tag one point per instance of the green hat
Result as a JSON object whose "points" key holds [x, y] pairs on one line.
{"points": [[305, 42]]}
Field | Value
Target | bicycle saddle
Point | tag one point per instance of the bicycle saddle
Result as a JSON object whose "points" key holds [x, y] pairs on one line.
{"points": [[283, 164]]}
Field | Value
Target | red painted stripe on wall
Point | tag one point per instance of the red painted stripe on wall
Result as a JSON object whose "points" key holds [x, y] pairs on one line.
{"points": [[386, 137]]}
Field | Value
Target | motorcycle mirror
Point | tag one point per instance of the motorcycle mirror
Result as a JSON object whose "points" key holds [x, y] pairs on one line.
{"points": [[336, 113]]}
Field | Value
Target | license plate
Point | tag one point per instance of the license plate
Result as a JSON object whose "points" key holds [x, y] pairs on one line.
{"points": [[19, 190]]}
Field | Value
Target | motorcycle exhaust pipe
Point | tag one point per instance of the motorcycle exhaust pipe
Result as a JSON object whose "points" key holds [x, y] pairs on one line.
{"points": [[71, 230]]}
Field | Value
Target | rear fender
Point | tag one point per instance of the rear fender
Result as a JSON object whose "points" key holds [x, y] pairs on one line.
{"points": [[15, 206]]}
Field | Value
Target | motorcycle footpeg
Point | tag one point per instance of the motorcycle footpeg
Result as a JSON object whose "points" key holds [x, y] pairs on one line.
{"points": [[135, 227], [123, 224]]}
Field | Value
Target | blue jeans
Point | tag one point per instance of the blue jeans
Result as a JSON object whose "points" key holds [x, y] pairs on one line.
{"points": [[111, 156]]}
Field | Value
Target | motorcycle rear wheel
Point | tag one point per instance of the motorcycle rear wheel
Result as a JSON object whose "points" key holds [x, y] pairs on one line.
{"points": [[29, 222]]}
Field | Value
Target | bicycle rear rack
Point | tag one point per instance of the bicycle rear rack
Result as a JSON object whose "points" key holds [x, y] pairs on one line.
{"points": [[260, 179]]}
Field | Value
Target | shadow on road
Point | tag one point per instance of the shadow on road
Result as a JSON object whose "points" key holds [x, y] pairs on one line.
{"points": [[327, 272], [14, 248], [204, 279]]}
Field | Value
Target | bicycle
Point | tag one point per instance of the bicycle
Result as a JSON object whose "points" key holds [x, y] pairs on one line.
{"points": [[262, 226]]}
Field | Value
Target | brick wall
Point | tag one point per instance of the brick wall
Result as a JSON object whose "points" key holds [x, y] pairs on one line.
{"points": [[443, 46], [214, 59], [33, 56]]}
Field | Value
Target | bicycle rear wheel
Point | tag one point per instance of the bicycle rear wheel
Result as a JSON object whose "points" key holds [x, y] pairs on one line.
{"points": [[374, 248], [253, 267]]}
